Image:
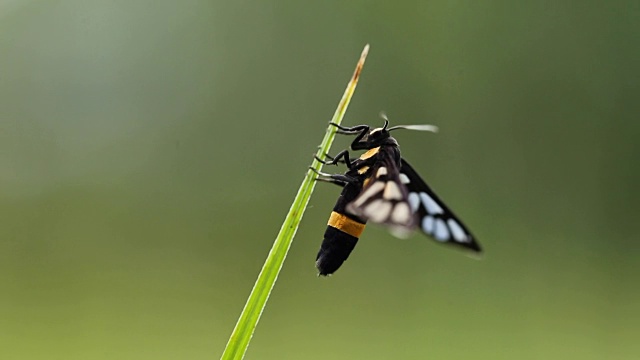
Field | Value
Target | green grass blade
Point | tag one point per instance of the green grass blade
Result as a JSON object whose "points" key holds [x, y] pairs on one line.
{"points": [[242, 333]]}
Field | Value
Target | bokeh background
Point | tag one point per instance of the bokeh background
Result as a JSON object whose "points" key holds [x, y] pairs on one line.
{"points": [[149, 151]]}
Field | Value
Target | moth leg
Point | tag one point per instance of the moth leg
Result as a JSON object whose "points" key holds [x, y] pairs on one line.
{"points": [[332, 181], [332, 160], [341, 161], [342, 157], [338, 179], [344, 130], [359, 130]]}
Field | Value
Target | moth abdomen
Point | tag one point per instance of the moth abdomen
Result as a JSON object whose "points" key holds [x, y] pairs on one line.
{"points": [[340, 239]]}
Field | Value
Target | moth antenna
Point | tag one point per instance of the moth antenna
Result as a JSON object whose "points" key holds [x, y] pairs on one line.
{"points": [[424, 127], [430, 128]]}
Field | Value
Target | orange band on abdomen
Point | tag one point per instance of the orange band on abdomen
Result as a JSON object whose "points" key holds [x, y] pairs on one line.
{"points": [[344, 224]]}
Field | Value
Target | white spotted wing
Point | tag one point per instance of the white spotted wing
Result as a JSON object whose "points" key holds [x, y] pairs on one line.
{"points": [[432, 216], [383, 199]]}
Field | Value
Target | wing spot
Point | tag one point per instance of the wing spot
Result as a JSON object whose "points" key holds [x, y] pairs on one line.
{"points": [[457, 231], [382, 171], [427, 224], [414, 201], [431, 205], [363, 170], [375, 188], [404, 179], [401, 214], [392, 191], [378, 211], [442, 232]]}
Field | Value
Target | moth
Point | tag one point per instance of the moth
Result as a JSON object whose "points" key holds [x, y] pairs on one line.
{"points": [[381, 187]]}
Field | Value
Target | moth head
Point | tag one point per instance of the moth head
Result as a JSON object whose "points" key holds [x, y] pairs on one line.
{"points": [[382, 136], [378, 135]]}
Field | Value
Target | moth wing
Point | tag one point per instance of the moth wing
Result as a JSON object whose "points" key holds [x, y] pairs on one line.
{"points": [[384, 199], [433, 217]]}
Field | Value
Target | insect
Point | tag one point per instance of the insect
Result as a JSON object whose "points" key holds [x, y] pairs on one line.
{"points": [[380, 186]]}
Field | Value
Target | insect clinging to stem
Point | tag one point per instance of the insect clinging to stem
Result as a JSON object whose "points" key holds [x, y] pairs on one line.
{"points": [[381, 187]]}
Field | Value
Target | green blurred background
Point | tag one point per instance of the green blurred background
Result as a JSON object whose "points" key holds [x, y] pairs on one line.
{"points": [[149, 151]]}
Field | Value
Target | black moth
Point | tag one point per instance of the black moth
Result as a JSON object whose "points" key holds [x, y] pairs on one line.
{"points": [[381, 187]]}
